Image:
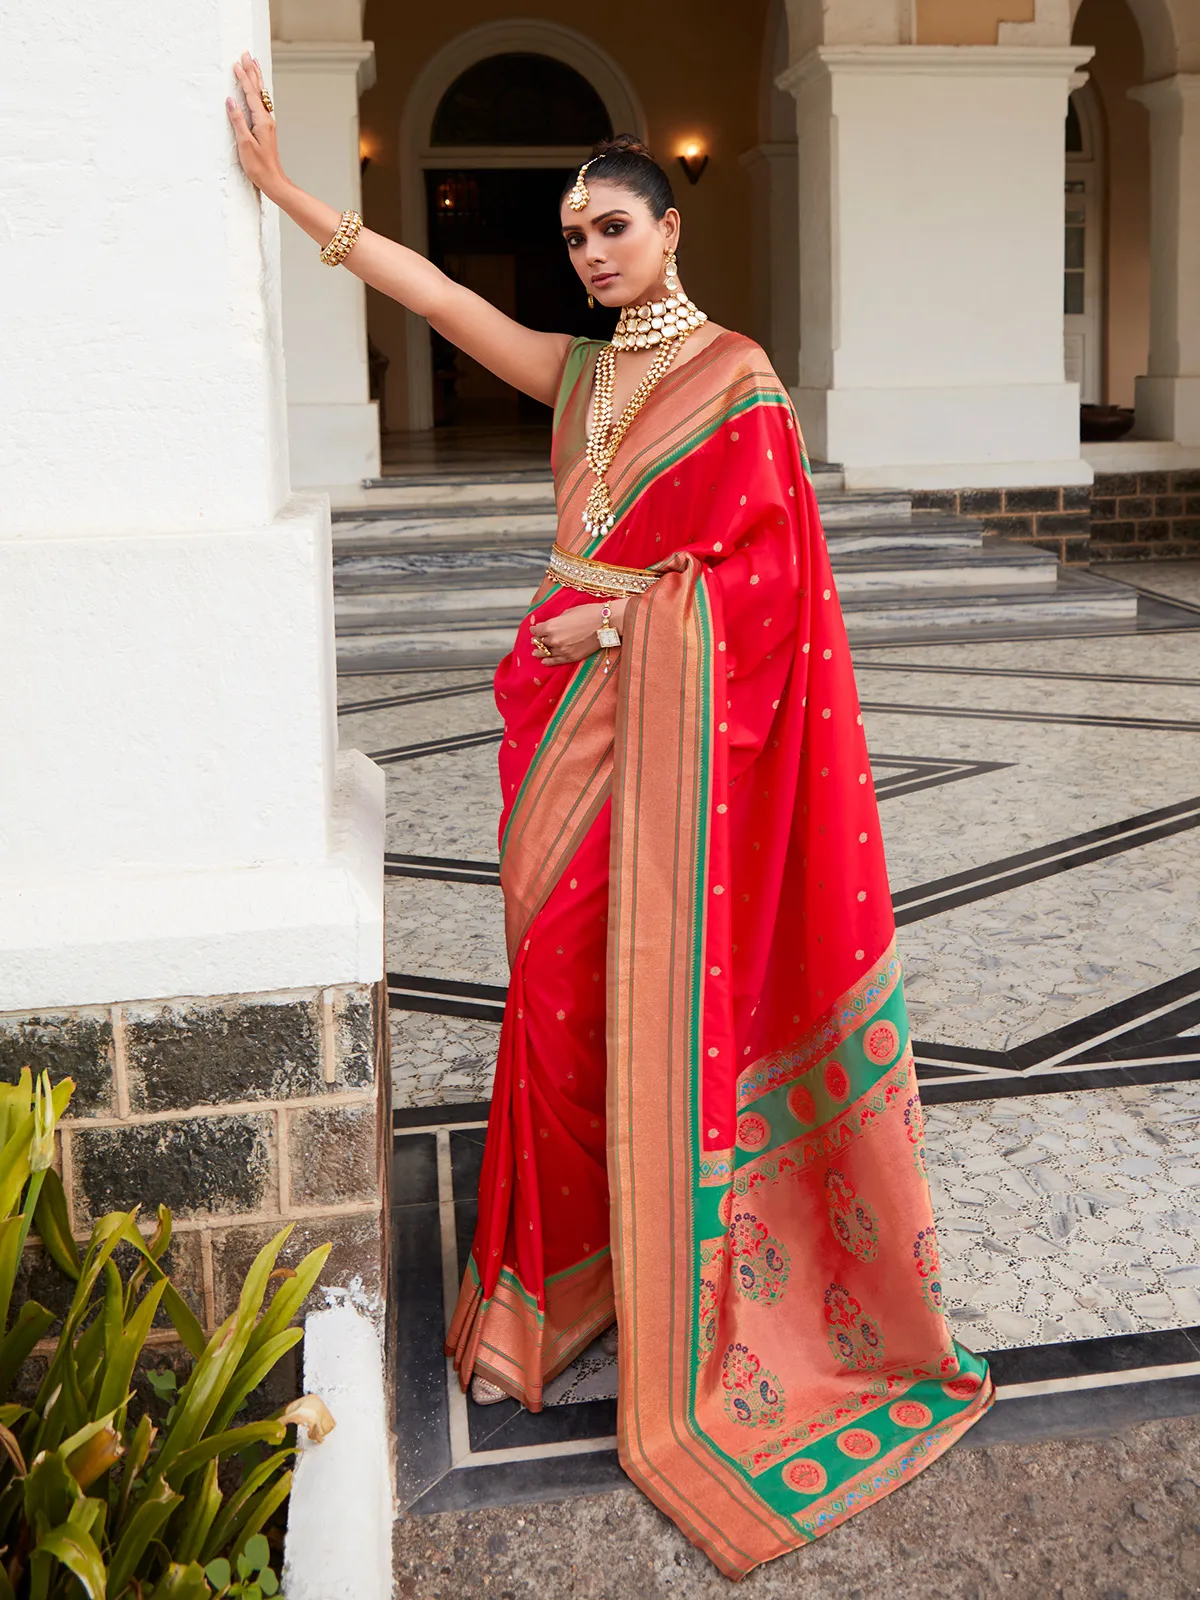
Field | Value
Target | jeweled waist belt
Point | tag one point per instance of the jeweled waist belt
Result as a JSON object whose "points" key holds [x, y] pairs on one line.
{"points": [[600, 578]]}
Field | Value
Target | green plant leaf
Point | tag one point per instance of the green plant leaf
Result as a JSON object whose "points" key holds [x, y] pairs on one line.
{"points": [[219, 1573], [263, 1508], [49, 1491], [53, 1224], [144, 1525], [11, 1241], [237, 1509], [180, 1313], [222, 1356], [33, 1323], [121, 1358], [136, 1457], [14, 1163], [74, 1549], [270, 1432], [12, 1449], [258, 1553], [268, 1581], [289, 1297], [165, 1383], [254, 1368], [201, 1507], [182, 1583]]}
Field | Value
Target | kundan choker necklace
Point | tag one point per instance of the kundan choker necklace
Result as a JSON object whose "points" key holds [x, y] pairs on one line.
{"points": [[657, 321], [664, 324]]}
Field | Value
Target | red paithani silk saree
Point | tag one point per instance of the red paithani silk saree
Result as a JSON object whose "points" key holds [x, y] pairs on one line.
{"points": [[705, 1119]]}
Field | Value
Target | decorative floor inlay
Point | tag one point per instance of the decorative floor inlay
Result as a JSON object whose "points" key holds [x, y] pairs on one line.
{"points": [[1040, 802]]}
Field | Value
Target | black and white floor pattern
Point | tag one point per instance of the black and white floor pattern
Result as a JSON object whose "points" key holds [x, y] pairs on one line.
{"points": [[1041, 810]]}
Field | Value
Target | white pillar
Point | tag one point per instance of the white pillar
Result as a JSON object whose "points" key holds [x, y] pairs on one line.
{"points": [[1168, 398], [173, 816], [332, 422], [775, 205], [931, 323]]}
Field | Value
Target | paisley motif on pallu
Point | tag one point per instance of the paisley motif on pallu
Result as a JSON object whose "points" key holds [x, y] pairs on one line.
{"points": [[753, 1397], [854, 1223], [761, 1265], [779, 1352], [914, 1126], [925, 1252], [714, 1263], [854, 1337]]}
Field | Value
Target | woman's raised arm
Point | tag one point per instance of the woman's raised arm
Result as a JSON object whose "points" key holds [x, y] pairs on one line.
{"points": [[529, 360]]}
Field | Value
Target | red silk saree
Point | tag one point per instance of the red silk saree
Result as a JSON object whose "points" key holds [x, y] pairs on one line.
{"points": [[705, 1118]]}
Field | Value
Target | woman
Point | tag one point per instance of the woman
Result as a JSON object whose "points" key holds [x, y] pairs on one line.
{"points": [[705, 1122]]}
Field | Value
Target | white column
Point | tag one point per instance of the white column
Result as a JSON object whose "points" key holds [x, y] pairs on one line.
{"points": [[1167, 399], [931, 262], [173, 816], [775, 203], [332, 422]]}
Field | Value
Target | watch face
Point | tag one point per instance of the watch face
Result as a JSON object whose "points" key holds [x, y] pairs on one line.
{"points": [[609, 638]]}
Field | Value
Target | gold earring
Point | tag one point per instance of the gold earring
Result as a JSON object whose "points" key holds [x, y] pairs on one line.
{"points": [[591, 303]]}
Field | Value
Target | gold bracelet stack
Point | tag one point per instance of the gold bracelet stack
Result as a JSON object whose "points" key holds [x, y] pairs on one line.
{"points": [[340, 246]]}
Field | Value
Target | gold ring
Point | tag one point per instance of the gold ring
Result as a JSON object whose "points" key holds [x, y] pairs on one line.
{"points": [[542, 648], [268, 103]]}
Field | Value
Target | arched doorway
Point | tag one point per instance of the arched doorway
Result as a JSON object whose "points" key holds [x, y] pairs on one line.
{"points": [[496, 229], [1084, 247], [1107, 286], [491, 128]]}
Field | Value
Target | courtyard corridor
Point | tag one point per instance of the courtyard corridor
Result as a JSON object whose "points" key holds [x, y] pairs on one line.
{"points": [[1041, 808]]}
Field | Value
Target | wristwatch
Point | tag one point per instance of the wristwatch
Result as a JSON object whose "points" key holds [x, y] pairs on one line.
{"points": [[608, 636]]}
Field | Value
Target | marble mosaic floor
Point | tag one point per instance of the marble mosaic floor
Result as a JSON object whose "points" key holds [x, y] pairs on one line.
{"points": [[1041, 810]]}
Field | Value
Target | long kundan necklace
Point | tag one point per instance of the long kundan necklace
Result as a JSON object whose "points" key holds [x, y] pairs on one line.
{"points": [[661, 324]]}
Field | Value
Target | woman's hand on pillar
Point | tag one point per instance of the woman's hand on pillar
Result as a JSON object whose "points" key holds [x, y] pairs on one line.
{"points": [[256, 146]]}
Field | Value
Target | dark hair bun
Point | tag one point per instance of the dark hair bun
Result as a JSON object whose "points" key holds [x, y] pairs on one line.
{"points": [[627, 162], [622, 144]]}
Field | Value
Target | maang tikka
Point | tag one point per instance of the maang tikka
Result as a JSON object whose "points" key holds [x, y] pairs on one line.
{"points": [[579, 197]]}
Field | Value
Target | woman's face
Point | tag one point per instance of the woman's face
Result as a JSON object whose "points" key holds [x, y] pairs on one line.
{"points": [[617, 245]]}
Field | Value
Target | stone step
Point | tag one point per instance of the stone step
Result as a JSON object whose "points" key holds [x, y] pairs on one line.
{"points": [[459, 495], [395, 536], [856, 506], [391, 580], [414, 631], [1076, 597], [449, 531], [919, 532]]}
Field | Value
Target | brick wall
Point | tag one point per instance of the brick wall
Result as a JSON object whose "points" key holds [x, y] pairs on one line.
{"points": [[1139, 515], [241, 1114], [1125, 516], [1053, 518]]}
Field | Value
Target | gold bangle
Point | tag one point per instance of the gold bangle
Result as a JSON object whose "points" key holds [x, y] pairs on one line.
{"points": [[340, 246]]}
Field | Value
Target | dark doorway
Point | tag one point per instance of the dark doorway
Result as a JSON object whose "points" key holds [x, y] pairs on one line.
{"points": [[497, 231]]}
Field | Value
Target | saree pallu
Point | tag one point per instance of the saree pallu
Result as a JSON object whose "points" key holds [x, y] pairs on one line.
{"points": [[706, 1119]]}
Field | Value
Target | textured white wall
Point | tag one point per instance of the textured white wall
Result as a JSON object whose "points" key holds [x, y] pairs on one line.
{"points": [[172, 819], [141, 310]]}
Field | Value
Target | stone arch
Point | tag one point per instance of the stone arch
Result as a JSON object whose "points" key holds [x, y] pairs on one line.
{"points": [[515, 35], [1163, 25]]}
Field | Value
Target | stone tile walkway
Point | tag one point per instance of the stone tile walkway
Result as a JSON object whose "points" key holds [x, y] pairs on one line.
{"points": [[1041, 810]]}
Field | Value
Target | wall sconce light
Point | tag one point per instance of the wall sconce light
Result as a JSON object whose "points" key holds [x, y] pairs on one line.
{"points": [[693, 160], [366, 149]]}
